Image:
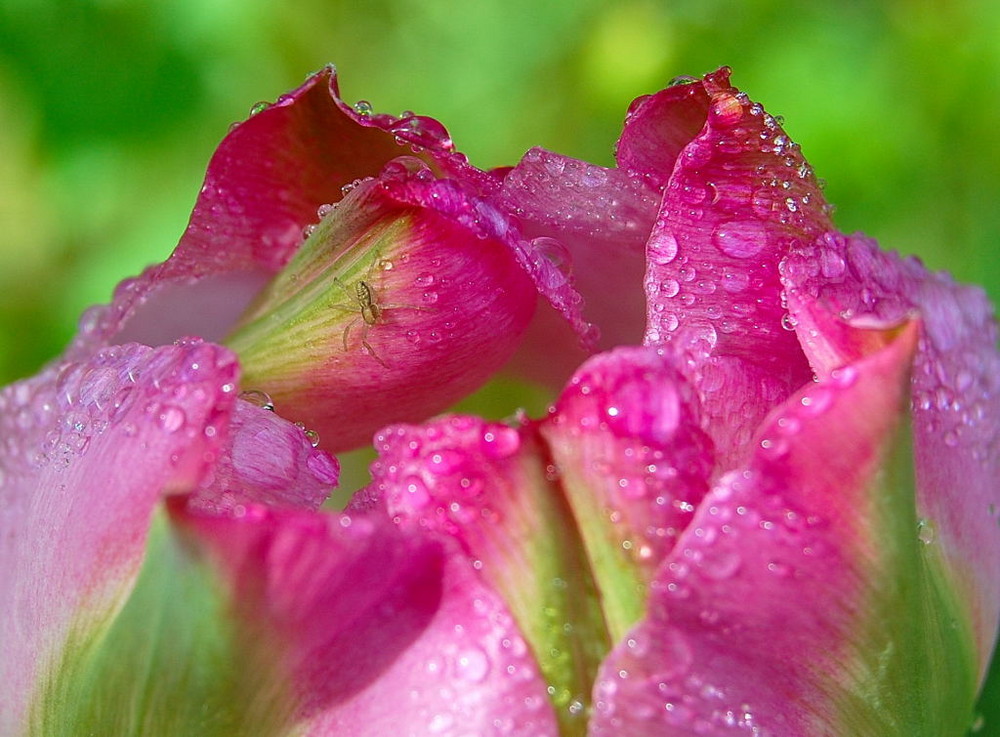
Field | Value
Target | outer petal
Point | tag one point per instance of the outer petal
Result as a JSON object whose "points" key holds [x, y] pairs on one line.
{"points": [[955, 393], [800, 600], [265, 186], [740, 196], [87, 449]]}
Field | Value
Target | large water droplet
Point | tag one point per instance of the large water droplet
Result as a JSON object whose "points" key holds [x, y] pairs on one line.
{"points": [[472, 665], [500, 442], [740, 238], [171, 418], [662, 247], [558, 265]]}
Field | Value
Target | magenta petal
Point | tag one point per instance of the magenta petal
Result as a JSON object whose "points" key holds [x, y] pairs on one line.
{"points": [[955, 391], [86, 450], [740, 197], [376, 629], [264, 184], [658, 127], [267, 460], [754, 615]]}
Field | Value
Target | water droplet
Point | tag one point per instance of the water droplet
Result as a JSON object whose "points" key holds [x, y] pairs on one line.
{"points": [[472, 665], [259, 107], [740, 238], [670, 288], [424, 280], [416, 494], [258, 399], [844, 376], [720, 565], [171, 418], [559, 266], [662, 247], [500, 442], [925, 531], [363, 107]]}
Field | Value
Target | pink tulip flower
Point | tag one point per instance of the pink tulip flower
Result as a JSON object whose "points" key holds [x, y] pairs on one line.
{"points": [[763, 501]]}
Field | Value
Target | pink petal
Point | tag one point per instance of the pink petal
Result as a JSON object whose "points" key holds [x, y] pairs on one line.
{"points": [[955, 392], [659, 127], [376, 629], [593, 223], [87, 449], [740, 196], [488, 491], [626, 437], [755, 616]]}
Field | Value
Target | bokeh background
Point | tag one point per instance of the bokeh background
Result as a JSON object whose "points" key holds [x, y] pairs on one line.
{"points": [[110, 110]]}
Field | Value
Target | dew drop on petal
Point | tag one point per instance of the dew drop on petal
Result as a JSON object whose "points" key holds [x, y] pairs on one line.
{"points": [[500, 442], [171, 418], [740, 238], [472, 665], [662, 247]]}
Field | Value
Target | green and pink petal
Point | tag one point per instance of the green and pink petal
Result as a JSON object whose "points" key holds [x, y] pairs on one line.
{"points": [[804, 597]]}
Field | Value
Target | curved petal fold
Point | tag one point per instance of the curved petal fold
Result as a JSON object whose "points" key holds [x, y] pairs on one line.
{"points": [[954, 394], [592, 222], [487, 490], [407, 282], [633, 462], [373, 628], [804, 597]]}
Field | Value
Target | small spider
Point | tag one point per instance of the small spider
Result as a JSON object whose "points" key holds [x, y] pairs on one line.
{"points": [[370, 311]]}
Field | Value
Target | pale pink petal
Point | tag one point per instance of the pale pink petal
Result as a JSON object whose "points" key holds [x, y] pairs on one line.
{"points": [[593, 223], [267, 460], [86, 450], [375, 629], [955, 391]]}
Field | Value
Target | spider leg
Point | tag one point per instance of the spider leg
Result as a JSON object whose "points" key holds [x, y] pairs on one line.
{"points": [[371, 352], [347, 332]]}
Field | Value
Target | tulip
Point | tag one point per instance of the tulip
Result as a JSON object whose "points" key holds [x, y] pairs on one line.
{"points": [[765, 505]]}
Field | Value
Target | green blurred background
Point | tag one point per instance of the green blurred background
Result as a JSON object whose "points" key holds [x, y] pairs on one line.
{"points": [[110, 110]]}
